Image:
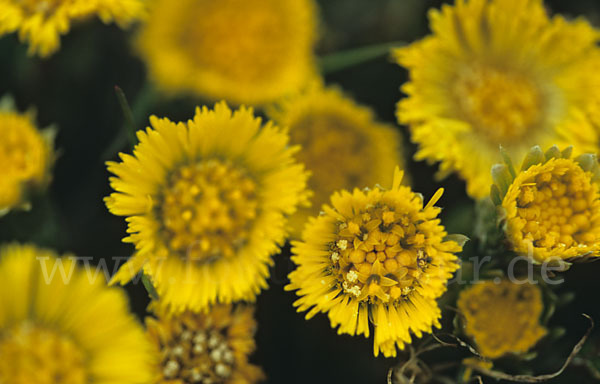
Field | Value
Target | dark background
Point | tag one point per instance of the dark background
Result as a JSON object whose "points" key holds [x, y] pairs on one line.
{"points": [[74, 90]]}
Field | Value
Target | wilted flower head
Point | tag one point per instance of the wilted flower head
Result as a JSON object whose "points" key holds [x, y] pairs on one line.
{"points": [[502, 317]]}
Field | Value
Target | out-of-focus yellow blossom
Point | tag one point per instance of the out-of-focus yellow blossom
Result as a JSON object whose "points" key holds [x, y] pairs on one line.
{"points": [[551, 207], [498, 72], [250, 52], [42, 22], [342, 145], [207, 203], [502, 317], [26, 156], [58, 324], [375, 254], [210, 347]]}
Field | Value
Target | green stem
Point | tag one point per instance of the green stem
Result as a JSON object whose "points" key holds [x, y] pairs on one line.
{"points": [[138, 112], [129, 123], [149, 287], [338, 61]]}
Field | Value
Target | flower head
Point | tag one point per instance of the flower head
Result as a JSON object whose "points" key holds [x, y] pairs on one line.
{"points": [[498, 72], [342, 145], [375, 254], [25, 154], [49, 324], [250, 52], [207, 204], [551, 208], [211, 347], [41, 22], [502, 317]]}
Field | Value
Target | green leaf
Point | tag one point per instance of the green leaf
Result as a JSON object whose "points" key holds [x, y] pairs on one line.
{"points": [[556, 333], [508, 162], [587, 161], [567, 152], [501, 177], [534, 156], [457, 238], [553, 152], [495, 195]]}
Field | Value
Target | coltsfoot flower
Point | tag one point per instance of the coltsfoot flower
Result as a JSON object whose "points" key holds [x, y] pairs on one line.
{"points": [[502, 317], [42, 22], [250, 52], [551, 207], [375, 254], [211, 347], [207, 203], [342, 145], [63, 327], [499, 72], [26, 156]]}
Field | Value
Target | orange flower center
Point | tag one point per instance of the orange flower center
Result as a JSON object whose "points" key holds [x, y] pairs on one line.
{"points": [[29, 354], [504, 106], [207, 210], [559, 208], [379, 255]]}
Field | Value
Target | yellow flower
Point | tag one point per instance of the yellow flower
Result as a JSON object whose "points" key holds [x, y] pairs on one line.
{"points": [[342, 145], [502, 317], [25, 154], [207, 204], [59, 325], [248, 52], [498, 72], [41, 22], [375, 254], [551, 208], [211, 347]]}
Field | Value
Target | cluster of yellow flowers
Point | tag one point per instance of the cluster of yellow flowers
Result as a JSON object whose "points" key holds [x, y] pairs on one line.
{"points": [[209, 201]]}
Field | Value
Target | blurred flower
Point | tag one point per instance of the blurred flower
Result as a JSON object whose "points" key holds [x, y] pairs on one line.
{"points": [[342, 145], [498, 72], [41, 22], [376, 254], [551, 208], [243, 51], [207, 204], [57, 322], [210, 347], [502, 317], [26, 156]]}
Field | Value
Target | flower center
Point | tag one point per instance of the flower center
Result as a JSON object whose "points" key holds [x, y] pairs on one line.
{"points": [[379, 255], [29, 354], [195, 356], [502, 105], [208, 209], [559, 208], [229, 35], [335, 153]]}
